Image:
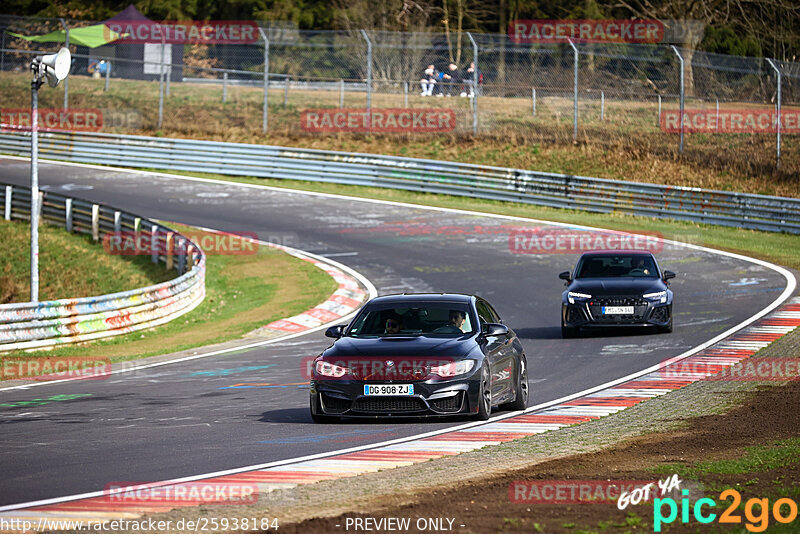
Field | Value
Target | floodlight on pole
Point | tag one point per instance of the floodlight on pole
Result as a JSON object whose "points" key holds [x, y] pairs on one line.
{"points": [[53, 68]]}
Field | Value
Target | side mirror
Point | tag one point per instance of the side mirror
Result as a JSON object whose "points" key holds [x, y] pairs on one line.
{"points": [[335, 331], [564, 276], [668, 275], [495, 330]]}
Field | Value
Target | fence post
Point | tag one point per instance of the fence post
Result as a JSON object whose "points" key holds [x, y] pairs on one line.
{"points": [[95, 222], [574, 91], [341, 93], [265, 112], [117, 222], [66, 80], [369, 79], [602, 105], [154, 243], [224, 87], [474, 84], [161, 85], [3, 53], [405, 94], [778, 125], [7, 214], [286, 92], [108, 75], [533, 99], [68, 211], [683, 95], [658, 118]]}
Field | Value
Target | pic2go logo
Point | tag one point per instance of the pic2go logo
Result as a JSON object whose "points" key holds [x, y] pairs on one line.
{"points": [[756, 511]]}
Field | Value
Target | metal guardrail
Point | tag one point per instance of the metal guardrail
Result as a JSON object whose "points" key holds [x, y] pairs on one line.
{"points": [[759, 212], [31, 325]]}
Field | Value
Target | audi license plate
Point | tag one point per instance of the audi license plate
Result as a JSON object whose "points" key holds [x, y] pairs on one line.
{"points": [[389, 389], [617, 310]]}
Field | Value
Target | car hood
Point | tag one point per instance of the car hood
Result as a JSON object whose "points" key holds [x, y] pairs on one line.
{"points": [[625, 285], [414, 346]]}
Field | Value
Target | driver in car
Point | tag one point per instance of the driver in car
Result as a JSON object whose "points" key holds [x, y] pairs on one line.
{"points": [[393, 324]]}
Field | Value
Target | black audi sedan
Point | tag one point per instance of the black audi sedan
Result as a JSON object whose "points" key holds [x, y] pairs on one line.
{"points": [[420, 355], [616, 288]]}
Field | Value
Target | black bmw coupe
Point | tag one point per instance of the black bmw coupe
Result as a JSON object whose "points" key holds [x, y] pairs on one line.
{"points": [[420, 355], [616, 288]]}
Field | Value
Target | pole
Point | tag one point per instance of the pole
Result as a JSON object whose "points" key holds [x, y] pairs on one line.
{"points": [[108, 75], [574, 91], [286, 92], [602, 105], [168, 73], [658, 118], [405, 94], [35, 84], [66, 80], [683, 95], [778, 125], [533, 98], [161, 85], [474, 84], [369, 78], [341, 93], [224, 87], [265, 112]]}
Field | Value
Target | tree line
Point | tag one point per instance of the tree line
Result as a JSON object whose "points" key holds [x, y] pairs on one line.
{"points": [[757, 28]]}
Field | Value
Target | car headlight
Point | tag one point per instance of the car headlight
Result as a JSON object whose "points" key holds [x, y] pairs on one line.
{"points": [[572, 295], [452, 369], [328, 369], [660, 296]]}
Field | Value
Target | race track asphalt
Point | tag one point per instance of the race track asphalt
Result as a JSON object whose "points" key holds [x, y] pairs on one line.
{"points": [[195, 417]]}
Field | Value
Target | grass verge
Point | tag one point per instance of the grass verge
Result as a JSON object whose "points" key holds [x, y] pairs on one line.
{"points": [[780, 248], [70, 265], [243, 292]]}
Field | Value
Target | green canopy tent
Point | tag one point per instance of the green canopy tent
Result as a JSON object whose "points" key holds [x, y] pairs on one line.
{"points": [[89, 36]]}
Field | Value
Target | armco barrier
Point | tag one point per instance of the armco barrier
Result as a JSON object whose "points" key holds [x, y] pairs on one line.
{"points": [[31, 325], [743, 210]]}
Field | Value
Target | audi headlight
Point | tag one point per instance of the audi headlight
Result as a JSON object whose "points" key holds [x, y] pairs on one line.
{"points": [[660, 296], [331, 370], [452, 369], [572, 296]]}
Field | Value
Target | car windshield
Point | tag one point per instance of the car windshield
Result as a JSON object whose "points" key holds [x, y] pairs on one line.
{"points": [[616, 265], [444, 319]]}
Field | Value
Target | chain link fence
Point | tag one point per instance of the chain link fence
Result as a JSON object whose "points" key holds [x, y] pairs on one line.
{"points": [[630, 94]]}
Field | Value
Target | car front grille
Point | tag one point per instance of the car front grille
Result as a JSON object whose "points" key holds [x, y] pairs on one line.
{"points": [[619, 301], [660, 314], [389, 404], [334, 404], [450, 404]]}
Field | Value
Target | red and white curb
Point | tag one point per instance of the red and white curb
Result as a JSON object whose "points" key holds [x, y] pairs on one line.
{"points": [[280, 475]]}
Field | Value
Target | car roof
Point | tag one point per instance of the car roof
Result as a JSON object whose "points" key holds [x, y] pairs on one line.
{"points": [[421, 297], [617, 253]]}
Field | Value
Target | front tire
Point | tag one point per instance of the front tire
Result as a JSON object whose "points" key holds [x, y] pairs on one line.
{"points": [[520, 402], [485, 395], [568, 332], [667, 329]]}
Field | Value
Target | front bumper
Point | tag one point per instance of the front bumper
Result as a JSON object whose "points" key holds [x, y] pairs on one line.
{"points": [[431, 398], [590, 315]]}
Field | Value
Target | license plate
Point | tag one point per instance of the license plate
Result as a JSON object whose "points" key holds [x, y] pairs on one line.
{"points": [[389, 389], [617, 310]]}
